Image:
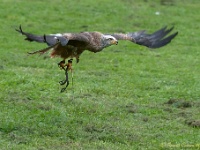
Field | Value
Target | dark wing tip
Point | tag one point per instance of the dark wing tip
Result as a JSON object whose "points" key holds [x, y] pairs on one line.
{"points": [[155, 40], [163, 41], [20, 29], [45, 39], [29, 36], [157, 35]]}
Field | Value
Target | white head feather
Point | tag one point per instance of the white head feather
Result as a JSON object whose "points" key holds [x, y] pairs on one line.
{"points": [[110, 37], [108, 40]]}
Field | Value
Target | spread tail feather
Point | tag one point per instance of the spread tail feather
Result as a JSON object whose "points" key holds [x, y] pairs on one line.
{"points": [[42, 51]]}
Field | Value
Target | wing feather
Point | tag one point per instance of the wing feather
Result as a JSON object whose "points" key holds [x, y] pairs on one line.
{"points": [[31, 37], [52, 39], [155, 40], [80, 40]]}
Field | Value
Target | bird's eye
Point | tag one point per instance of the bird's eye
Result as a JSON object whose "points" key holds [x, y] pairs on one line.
{"points": [[110, 39]]}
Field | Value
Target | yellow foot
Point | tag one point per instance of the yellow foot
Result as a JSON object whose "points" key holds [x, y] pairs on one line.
{"points": [[69, 65], [61, 64]]}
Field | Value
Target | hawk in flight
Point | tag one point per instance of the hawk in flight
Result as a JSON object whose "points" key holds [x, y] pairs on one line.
{"points": [[72, 45]]}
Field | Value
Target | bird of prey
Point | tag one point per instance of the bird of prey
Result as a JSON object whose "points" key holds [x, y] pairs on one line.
{"points": [[72, 45]]}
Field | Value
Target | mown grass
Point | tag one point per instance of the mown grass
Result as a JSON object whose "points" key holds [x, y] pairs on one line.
{"points": [[125, 97]]}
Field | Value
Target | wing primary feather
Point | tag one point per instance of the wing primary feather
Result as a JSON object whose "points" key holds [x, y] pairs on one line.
{"points": [[49, 39], [161, 33], [30, 37], [154, 40], [164, 41]]}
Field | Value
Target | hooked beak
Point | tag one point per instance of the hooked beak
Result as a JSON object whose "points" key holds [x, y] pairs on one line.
{"points": [[114, 42]]}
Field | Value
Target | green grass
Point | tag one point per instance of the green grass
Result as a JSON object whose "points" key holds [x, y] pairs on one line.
{"points": [[125, 97]]}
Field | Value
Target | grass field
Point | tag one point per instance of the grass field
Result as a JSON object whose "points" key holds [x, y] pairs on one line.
{"points": [[125, 97]]}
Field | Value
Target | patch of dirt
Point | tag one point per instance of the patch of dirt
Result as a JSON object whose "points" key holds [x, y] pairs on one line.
{"points": [[167, 2], [95, 73], [145, 119], [168, 110], [109, 133], [131, 108], [92, 128], [179, 103], [184, 114], [17, 139], [84, 95], [193, 123], [44, 107], [196, 104]]}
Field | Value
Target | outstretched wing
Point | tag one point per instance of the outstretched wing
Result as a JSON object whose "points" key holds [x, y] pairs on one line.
{"points": [[54, 40], [154, 40], [49, 39]]}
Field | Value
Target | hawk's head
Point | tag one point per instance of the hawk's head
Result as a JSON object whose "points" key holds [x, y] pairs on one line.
{"points": [[109, 40]]}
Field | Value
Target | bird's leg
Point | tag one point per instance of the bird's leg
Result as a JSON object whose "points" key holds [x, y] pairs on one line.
{"points": [[62, 66], [65, 81], [69, 67]]}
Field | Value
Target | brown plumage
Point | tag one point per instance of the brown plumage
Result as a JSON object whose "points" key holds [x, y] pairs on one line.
{"points": [[71, 45]]}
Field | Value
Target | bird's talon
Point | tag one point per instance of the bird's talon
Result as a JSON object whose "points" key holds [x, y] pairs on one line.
{"points": [[61, 64], [62, 82]]}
